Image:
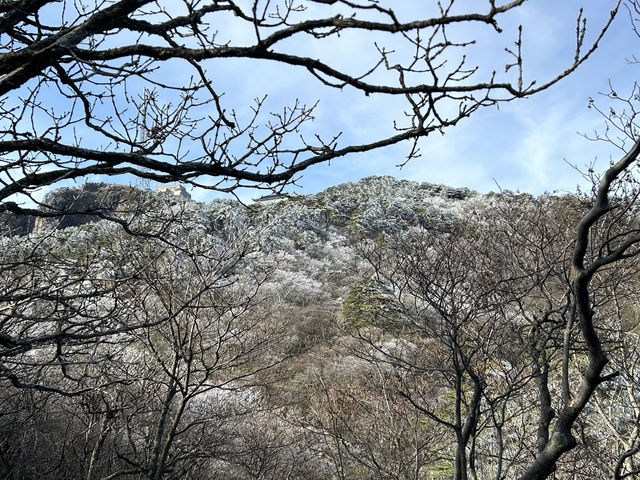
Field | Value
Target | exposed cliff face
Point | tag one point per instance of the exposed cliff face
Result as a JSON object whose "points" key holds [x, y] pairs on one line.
{"points": [[81, 205]]}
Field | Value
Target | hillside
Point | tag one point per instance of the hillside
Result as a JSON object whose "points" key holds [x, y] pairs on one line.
{"points": [[348, 334]]}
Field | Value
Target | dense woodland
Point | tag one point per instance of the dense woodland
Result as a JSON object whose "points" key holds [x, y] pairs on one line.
{"points": [[384, 329]]}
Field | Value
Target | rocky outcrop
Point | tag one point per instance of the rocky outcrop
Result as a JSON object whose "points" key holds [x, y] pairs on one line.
{"points": [[71, 207]]}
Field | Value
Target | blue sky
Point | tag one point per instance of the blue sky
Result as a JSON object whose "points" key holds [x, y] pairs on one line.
{"points": [[522, 145]]}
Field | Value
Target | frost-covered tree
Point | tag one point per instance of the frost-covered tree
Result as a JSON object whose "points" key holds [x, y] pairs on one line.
{"points": [[151, 377], [524, 300]]}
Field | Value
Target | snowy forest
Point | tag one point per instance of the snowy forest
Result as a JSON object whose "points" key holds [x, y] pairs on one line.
{"points": [[384, 329], [379, 329]]}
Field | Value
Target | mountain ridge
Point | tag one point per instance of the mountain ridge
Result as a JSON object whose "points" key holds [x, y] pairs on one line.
{"points": [[346, 204]]}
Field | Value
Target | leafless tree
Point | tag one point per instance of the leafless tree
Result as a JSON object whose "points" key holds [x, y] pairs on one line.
{"points": [[149, 378], [527, 313], [606, 246]]}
